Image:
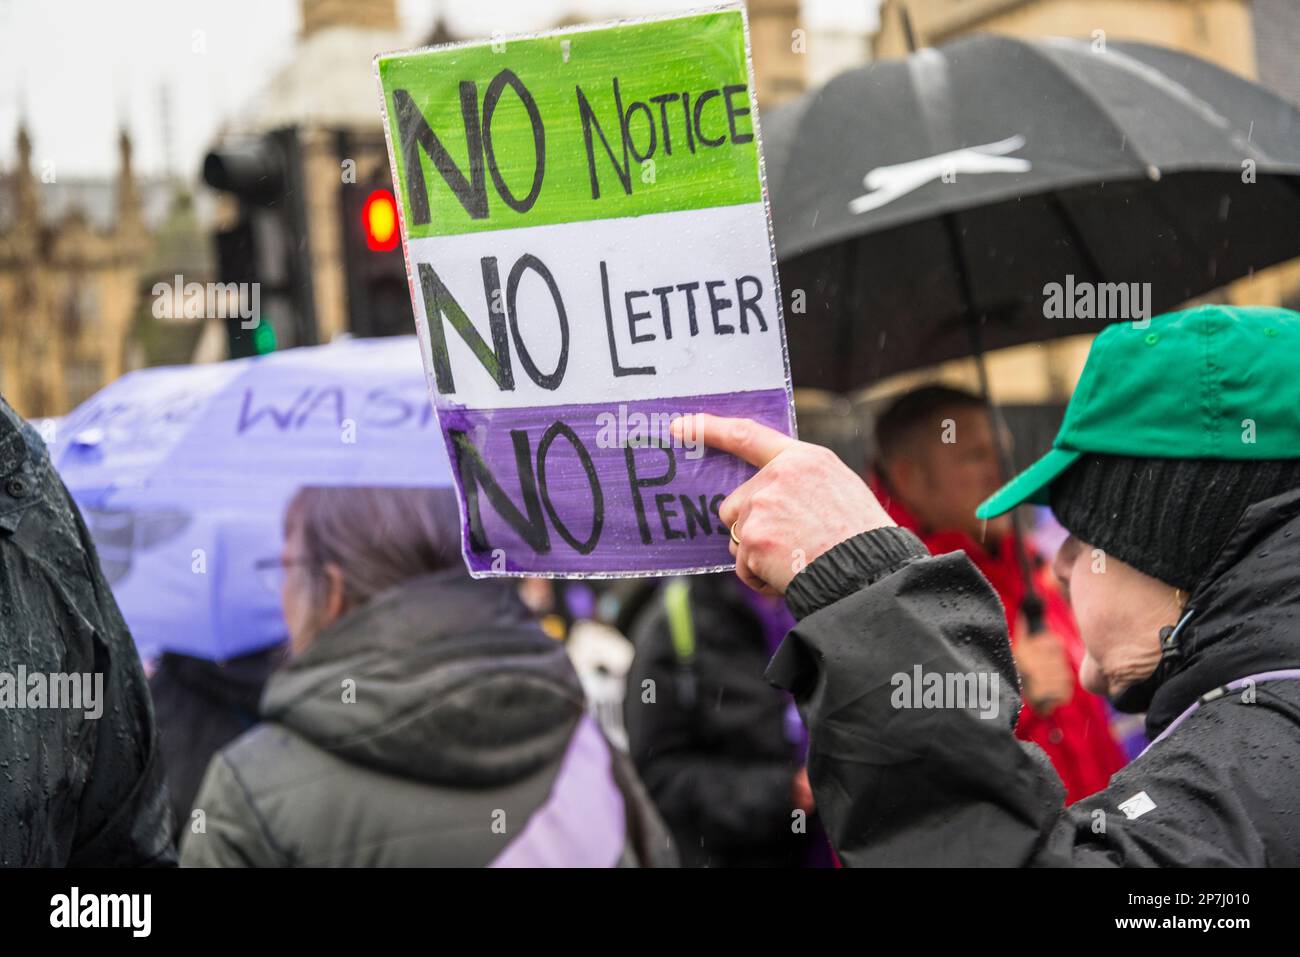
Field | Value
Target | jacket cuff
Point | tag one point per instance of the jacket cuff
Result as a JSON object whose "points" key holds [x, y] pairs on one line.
{"points": [[850, 566]]}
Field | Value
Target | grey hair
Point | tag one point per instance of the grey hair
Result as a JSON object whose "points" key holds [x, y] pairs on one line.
{"points": [[378, 537]]}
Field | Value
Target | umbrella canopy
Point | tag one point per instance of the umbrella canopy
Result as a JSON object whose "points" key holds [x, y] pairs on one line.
{"points": [[183, 474], [914, 199]]}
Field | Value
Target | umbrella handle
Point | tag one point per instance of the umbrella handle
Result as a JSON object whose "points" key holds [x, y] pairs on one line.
{"points": [[1032, 603], [1031, 606]]}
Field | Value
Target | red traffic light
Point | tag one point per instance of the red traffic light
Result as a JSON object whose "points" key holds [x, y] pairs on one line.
{"points": [[379, 219]]}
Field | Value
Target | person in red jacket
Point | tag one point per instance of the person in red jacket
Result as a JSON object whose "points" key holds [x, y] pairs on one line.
{"points": [[936, 461]]}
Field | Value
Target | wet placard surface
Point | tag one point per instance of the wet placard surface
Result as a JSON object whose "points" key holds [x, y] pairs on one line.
{"points": [[590, 258]]}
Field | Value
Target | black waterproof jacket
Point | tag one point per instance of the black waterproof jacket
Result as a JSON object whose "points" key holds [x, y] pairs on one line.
{"points": [[945, 786], [712, 742], [202, 706], [81, 783]]}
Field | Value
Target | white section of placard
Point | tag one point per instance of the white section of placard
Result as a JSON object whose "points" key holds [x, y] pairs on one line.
{"points": [[648, 302]]}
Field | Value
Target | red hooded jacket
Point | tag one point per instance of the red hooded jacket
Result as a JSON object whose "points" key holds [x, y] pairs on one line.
{"points": [[1075, 736]]}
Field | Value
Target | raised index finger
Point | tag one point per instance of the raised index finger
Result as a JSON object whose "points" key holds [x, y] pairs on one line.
{"points": [[744, 438]]}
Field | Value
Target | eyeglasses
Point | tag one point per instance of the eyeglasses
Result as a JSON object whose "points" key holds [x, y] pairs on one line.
{"points": [[271, 572]]}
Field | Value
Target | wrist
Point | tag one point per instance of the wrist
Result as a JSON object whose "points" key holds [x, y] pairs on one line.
{"points": [[850, 566]]}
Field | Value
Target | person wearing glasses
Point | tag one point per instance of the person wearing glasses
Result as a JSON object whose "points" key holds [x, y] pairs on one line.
{"points": [[421, 719]]}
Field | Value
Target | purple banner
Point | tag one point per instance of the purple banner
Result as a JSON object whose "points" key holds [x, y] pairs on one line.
{"points": [[598, 489]]}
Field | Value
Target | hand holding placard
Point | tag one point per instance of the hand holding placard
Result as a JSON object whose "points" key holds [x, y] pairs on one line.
{"points": [[802, 502]]}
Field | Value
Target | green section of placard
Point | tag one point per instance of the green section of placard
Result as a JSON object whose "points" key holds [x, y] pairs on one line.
{"points": [[687, 106]]}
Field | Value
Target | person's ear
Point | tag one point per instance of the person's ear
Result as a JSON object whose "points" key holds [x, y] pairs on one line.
{"points": [[1063, 563], [336, 602]]}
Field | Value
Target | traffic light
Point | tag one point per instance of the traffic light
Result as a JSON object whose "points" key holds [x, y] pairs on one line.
{"points": [[379, 300], [265, 243], [379, 220]]}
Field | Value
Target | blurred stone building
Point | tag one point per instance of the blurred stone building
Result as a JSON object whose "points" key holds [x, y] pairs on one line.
{"points": [[70, 257], [796, 46], [78, 259], [1220, 31], [778, 47]]}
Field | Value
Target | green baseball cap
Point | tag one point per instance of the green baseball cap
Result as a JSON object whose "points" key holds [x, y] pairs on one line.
{"points": [[1211, 382]]}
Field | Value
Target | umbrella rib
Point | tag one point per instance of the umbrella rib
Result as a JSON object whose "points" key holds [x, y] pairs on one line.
{"points": [[1076, 235], [1178, 91], [1156, 196], [1144, 163], [1156, 79]]}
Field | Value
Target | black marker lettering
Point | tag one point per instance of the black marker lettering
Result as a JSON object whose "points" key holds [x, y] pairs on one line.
{"points": [[617, 369], [716, 305], [689, 288], [529, 261], [663, 99], [588, 115], [686, 108], [733, 112], [439, 303], [627, 132], [415, 135], [639, 483], [663, 499], [634, 317], [490, 98], [746, 303], [699, 131], [694, 518], [586, 546], [473, 470], [662, 292]]}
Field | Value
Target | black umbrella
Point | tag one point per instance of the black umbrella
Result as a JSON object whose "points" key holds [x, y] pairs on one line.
{"points": [[921, 206], [956, 201]]}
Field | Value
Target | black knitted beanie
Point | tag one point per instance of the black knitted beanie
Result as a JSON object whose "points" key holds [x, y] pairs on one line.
{"points": [[1165, 517]]}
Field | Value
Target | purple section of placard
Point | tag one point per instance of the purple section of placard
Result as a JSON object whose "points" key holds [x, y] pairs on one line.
{"points": [[614, 502]]}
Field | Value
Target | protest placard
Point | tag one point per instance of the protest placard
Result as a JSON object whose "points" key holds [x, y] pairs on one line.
{"points": [[590, 256]]}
